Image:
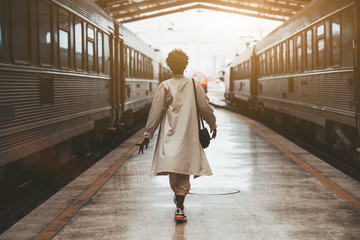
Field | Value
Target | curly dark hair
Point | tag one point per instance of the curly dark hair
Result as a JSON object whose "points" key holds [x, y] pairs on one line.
{"points": [[177, 61]]}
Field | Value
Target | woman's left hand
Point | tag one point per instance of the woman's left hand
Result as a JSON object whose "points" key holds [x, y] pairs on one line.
{"points": [[213, 131], [144, 143]]}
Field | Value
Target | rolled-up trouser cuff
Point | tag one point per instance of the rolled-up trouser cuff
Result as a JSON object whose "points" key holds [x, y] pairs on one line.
{"points": [[179, 183]]}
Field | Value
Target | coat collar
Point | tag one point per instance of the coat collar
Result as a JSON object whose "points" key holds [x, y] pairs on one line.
{"points": [[178, 76]]}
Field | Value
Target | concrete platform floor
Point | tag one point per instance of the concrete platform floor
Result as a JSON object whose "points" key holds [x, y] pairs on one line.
{"points": [[278, 199]]}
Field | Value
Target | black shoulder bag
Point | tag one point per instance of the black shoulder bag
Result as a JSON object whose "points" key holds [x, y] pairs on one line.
{"points": [[204, 135]]}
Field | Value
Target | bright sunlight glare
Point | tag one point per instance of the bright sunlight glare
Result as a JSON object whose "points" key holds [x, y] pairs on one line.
{"points": [[210, 38]]}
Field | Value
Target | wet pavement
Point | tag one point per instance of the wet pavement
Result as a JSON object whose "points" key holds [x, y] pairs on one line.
{"points": [[257, 192]]}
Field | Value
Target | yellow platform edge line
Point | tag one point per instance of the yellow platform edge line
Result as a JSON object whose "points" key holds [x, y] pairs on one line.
{"points": [[316, 174], [59, 222]]}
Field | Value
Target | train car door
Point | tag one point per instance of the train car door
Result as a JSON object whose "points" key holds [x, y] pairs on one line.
{"points": [[117, 76], [356, 46], [229, 83], [253, 80], [121, 88], [113, 73]]}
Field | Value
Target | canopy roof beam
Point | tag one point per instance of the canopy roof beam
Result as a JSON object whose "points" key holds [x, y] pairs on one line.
{"points": [[200, 6], [267, 3], [185, 2], [134, 10]]}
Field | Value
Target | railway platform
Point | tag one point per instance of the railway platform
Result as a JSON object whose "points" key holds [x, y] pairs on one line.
{"points": [[263, 187]]}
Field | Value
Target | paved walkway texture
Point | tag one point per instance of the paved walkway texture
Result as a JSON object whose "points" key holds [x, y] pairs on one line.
{"points": [[285, 193]]}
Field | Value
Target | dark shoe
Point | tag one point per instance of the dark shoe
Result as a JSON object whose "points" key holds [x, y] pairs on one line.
{"points": [[180, 216], [174, 198]]}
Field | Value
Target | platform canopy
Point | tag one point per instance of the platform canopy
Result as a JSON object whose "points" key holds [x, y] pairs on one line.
{"points": [[133, 10]]}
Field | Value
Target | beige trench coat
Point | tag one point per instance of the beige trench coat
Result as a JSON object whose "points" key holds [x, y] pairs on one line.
{"points": [[178, 147]]}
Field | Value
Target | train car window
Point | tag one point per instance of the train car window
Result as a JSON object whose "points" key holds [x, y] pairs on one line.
{"points": [[146, 67], [78, 44], [2, 15], [20, 31], [64, 19], [273, 61], [320, 35], [106, 53], [45, 33], [139, 65], [269, 67], [239, 71], [125, 60], [132, 63], [309, 50], [266, 58], [143, 63], [298, 53], [150, 69], [278, 60], [320, 30], [335, 41], [128, 61], [100, 51], [235, 72], [141, 59], [90, 48], [151, 75], [291, 55], [64, 38], [247, 66], [284, 57], [91, 32], [347, 37], [262, 65], [321, 53], [134, 67], [242, 71]]}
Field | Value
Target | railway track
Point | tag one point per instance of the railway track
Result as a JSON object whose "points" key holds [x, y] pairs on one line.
{"points": [[320, 151], [33, 186]]}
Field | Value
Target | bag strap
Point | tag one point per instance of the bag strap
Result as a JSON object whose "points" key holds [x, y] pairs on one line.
{"points": [[197, 111]]}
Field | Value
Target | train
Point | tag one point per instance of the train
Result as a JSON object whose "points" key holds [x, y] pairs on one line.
{"points": [[202, 79], [69, 75], [305, 76]]}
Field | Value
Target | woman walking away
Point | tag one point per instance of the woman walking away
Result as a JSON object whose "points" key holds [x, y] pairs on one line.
{"points": [[178, 151]]}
